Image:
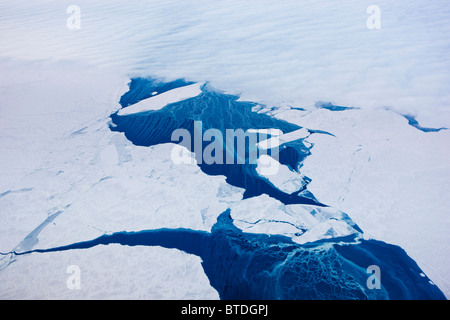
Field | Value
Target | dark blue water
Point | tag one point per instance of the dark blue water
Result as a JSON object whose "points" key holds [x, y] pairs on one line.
{"points": [[257, 266], [215, 110]]}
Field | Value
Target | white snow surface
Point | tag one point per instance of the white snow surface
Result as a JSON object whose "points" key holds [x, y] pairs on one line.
{"points": [[58, 154]]}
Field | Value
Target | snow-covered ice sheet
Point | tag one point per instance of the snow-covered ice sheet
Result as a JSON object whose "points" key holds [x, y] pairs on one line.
{"points": [[302, 223], [275, 142], [112, 186], [161, 100], [279, 174], [65, 177]]}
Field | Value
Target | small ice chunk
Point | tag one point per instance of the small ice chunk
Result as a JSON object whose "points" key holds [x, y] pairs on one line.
{"points": [[279, 174], [163, 99]]}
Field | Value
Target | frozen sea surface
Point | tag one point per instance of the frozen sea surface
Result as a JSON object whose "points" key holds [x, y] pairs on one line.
{"points": [[240, 261], [312, 67]]}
